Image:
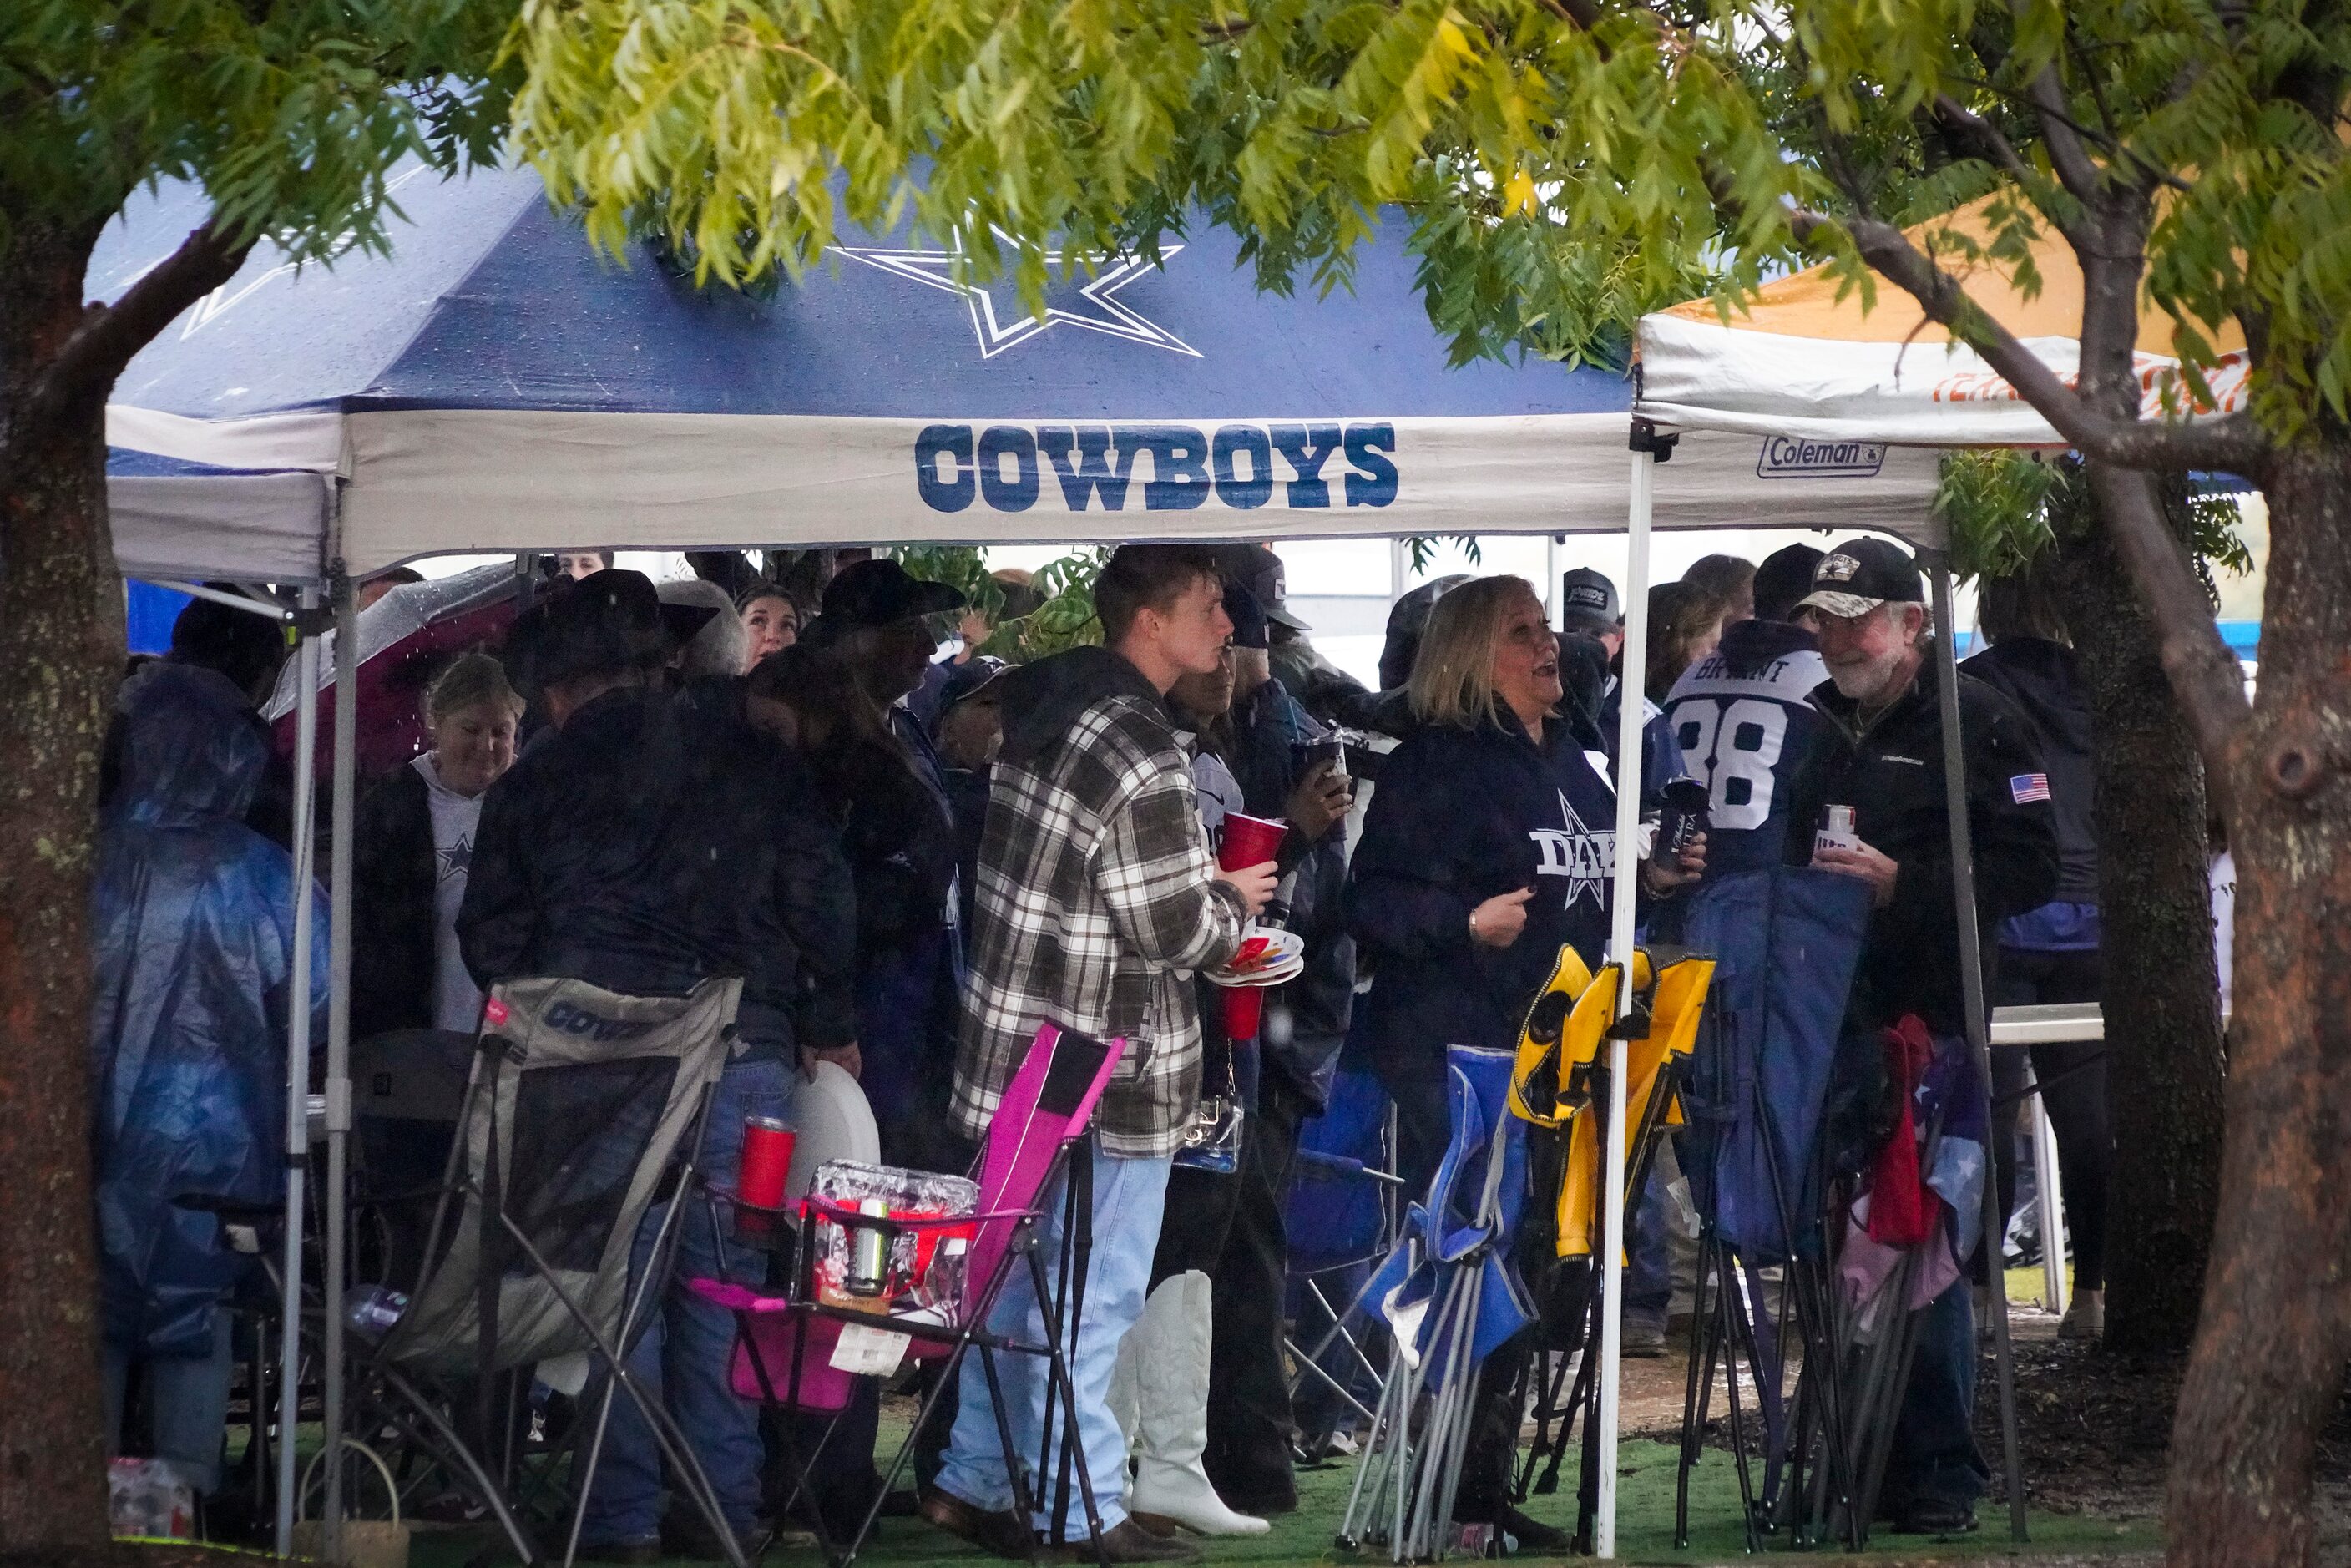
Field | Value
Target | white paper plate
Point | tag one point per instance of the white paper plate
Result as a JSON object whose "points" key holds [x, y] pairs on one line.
{"points": [[831, 1121]]}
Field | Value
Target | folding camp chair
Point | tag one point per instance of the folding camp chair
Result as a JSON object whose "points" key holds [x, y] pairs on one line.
{"points": [[1450, 1298], [584, 1109], [1559, 1084], [790, 1347], [1342, 1219], [1789, 939]]}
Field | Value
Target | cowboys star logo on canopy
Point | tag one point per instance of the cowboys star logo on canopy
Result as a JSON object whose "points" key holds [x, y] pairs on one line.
{"points": [[1071, 298]]}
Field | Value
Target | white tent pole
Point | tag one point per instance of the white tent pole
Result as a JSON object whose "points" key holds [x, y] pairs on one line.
{"points": [[297, 1069], [1629, 725], [338, 1036], [1978, 1020]]}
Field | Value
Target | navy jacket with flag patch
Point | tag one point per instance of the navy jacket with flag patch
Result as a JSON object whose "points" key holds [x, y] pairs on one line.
{"points": [[1744, 719], [1459, 816]]}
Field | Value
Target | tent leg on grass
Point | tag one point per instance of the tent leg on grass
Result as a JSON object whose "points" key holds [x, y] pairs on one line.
{"points": [[1978, 1018], [339, 1042], [298, 1072]]}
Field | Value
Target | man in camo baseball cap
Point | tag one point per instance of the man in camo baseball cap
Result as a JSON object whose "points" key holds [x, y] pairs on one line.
{"points": [[1859, 575]]}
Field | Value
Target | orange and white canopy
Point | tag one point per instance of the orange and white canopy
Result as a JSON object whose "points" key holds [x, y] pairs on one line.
{"points": [[1805, 362]]}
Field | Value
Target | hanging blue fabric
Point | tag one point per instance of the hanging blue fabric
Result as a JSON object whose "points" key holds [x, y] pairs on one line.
{"points": [[1787, 939]]}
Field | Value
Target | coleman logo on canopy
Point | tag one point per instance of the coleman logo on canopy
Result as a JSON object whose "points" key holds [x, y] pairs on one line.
{"points": [[1085, 466], [1791, 457]]}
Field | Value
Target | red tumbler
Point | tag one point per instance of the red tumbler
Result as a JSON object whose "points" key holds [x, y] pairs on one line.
{"points": [[1244, 1005], [1249, 841], [767, 1162]]}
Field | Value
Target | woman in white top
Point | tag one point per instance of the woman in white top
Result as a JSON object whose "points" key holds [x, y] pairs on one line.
{"points": [[412, 845]]}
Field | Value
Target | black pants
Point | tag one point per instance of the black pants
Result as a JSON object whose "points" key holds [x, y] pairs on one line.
{"points": [[1230, 1228], [2073, 1075]]}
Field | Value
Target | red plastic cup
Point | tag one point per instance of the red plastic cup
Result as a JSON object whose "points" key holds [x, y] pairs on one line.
{"points": [[1244, 1006], [1249, 841], [767, 1162]]}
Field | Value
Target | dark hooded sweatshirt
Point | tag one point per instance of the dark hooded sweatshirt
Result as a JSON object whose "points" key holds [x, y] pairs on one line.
{"points": [[1461, 815], [2043, 679]]}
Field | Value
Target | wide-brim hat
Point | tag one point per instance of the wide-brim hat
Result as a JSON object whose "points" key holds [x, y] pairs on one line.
{"points": [[610, 622]]}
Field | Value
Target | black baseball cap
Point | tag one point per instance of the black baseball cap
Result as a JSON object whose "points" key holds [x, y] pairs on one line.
{"points": [[1858, 575], [878, 592], [1248, 616], [1587, 601], [609, 622], [968, 679], [1258, 569], [1783, 578]]}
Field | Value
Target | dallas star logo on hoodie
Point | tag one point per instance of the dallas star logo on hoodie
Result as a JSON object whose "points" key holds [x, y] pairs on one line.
{"points": [[1585, 856]]}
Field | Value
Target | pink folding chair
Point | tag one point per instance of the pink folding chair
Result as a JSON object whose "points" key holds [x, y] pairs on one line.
{"points": [[785, 1343]]}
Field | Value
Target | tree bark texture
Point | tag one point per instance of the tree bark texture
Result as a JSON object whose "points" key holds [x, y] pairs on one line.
{"points": [[61, 652], [2267, 1370], [2161, 999]]}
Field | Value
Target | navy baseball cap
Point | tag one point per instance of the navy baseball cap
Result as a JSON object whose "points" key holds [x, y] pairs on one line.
{"points": [[1587, 601], [1248, 616]]}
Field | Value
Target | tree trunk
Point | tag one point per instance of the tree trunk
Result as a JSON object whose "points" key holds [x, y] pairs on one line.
{"points": [[2267, 1369], [61, 649], [2164, 1054]]}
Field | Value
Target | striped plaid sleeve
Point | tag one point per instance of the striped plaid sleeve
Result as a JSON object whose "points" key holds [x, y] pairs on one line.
{"points": [[1154, 873]]}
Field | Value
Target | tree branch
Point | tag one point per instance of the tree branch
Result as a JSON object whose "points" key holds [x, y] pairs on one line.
{"points": [[2232, 442], [86, 364], [2204, 675], [1996, 148], [2077, 170]]}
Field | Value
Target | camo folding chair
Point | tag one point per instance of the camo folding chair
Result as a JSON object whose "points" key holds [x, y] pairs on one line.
{"points": [[584, 1109]]}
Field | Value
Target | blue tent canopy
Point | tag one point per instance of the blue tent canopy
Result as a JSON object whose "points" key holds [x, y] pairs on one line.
{"points": [[494, 384]]}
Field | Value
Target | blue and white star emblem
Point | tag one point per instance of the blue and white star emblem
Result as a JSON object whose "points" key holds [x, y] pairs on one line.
{"points": [[1070, 300], [457, 859], [1585, 856]]}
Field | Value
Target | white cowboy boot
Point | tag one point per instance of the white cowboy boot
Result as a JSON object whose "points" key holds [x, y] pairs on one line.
{"points": [[1171, 1343]]}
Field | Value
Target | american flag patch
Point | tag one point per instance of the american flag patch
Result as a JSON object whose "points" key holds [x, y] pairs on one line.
{"points": [[2026, 787]]}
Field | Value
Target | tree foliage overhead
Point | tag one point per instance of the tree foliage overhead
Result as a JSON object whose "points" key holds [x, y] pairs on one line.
{"points": [[290, 113], [1566, 163]]}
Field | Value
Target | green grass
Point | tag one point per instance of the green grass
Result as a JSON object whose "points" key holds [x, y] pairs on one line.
{"points": [[1645, 1524]]}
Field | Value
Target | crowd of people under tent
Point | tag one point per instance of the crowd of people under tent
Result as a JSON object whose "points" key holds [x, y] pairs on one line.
{"points": [[912, 851]]}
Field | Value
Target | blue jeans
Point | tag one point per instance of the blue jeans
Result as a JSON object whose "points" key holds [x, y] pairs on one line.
{"points": [[1649, 1261], [1934, 1452], [187, 1398], [682, 1356], [1129, 1197]]}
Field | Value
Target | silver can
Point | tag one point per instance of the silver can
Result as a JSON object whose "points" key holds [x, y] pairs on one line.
{"points": [[869, 1252]]}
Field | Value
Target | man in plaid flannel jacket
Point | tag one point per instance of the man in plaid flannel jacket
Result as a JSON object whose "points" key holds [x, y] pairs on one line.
{"points": [[1097, 901]]}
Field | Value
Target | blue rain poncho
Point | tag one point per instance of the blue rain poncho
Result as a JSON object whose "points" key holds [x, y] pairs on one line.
{"points": [[193, 918]]}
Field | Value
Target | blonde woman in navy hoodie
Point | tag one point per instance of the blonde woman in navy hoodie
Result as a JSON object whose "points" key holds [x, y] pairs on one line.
{"points": [[1489, 842]]}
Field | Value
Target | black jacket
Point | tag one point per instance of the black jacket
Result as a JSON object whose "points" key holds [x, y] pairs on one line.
{"points": [[1459, 816], [651, 843], [1269, 729], [392, 907], [897, 833], [2044, 680], [1892, 774]]}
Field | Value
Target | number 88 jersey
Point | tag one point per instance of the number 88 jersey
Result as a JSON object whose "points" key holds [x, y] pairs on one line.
{"points": [[1744, 719]]}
